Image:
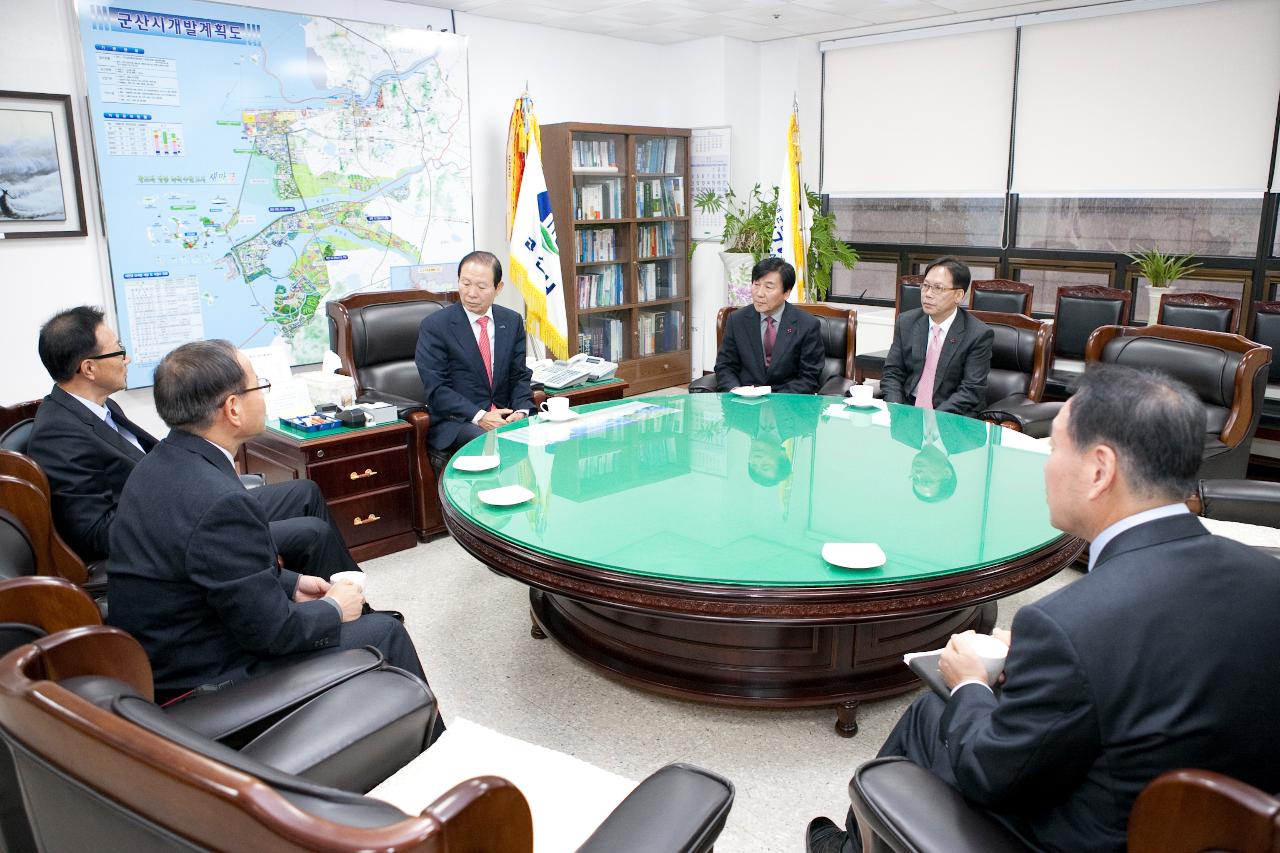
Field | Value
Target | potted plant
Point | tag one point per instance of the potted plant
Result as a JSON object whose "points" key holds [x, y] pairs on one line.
{"points": [[748, 236], [1161, 271]]}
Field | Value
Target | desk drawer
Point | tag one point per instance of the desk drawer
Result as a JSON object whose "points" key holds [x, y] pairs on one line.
{"points": [[365, 472], [377, 515]]}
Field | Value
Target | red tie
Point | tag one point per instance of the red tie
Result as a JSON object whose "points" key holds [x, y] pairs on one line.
{"points": [[485, 355], [770, 336]]}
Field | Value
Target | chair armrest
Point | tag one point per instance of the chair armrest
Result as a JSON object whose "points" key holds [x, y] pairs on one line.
{"points": [[404, 405], [679, 808], [1245, 501], [1017, 412], [703, 384], [836, 386], [247, 705], [911, 809], [252, 481]]}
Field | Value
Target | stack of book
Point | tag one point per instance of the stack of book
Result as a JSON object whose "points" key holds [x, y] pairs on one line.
{"points": [[594, 155], [655, 156], [597, 290], [655, 241], [598, 201], [656, 281], [596, 244], [660, 197], [660, 331], [600, 336]]}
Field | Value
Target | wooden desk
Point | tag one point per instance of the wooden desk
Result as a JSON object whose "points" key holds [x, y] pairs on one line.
{"points": [[363, 473]]}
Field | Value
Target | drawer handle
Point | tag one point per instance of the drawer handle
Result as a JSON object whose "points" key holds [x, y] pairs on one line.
{"points": [[370, 520], [368, 472]]}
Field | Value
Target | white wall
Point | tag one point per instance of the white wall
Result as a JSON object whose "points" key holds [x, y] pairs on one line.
{"points": [[571, 76]]}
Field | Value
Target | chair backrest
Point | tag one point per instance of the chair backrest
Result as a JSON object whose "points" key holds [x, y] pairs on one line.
{"points": [[18, 437], [839, 336], [17, 553], [1083, 308], [1265, 329], [908, 298], [47, 604], [1206, 311], [24, 491], [375, 335], [1202, 810], [1226, 371], [108, 775], [1001, 295], [1020, 355]]}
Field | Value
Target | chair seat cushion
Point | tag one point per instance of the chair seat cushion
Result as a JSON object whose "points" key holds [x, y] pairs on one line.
{"points": [[97, 582]]}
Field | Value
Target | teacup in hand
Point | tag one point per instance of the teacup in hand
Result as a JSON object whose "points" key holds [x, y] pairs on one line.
{"points": [[556, 407], [357, 578], [991, 651]]}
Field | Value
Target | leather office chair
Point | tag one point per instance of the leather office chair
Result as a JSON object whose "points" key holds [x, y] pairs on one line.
{"points": [[870, 365], [1254, 502], [17, 553], [839, 327], [102, 768], [1020, 355], [24, 492], [18, 436], [1228, 372], [1206, 311], [1001, 295], [375, 335], [1079, 310], [1265, 329], [904, 808]]}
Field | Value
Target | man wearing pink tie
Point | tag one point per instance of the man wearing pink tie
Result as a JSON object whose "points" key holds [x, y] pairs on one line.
{"points": [[941, 353], [470, 357]]}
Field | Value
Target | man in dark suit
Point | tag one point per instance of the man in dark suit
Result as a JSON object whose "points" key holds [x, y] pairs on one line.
{"points": [[1160, 657], [88, 449], [193, 573], [771, 341], [940, 346], [933, 477], [471, 359]]}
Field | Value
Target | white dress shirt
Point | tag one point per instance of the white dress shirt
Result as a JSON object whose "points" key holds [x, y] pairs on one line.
{"points": [[103, 412]]}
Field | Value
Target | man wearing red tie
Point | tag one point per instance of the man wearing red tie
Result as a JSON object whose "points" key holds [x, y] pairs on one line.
{"points": [[941, 353], [471, 359]]}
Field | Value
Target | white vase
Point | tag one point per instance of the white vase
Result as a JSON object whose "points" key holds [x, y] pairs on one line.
{"points": [[1154, 295], [737, 268]]}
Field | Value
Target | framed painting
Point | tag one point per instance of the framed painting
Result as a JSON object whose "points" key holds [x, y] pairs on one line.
{"points": [[40, 191]]}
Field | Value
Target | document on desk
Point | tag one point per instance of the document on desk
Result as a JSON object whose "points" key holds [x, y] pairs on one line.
{"points": [[537, 432]]}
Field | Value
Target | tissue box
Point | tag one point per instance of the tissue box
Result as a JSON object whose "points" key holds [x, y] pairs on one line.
{"points": [[379, 413], [329, 388]]}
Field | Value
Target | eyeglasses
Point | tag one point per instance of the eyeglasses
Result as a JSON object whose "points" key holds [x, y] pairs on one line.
{"points": [[265, 388], [119, 352], [937, 288]]}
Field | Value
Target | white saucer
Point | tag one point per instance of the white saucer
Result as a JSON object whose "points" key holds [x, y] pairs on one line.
{"points": [[854, 555], [475, 463], [505, 495], [553, 419], [751, 390], [870, 404]]}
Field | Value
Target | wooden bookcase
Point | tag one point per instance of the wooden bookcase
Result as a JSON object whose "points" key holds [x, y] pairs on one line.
{"points": [[621, 199]]}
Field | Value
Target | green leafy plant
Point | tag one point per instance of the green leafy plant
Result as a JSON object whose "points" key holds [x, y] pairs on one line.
{"points": [[1161, 269], [748, 228]]}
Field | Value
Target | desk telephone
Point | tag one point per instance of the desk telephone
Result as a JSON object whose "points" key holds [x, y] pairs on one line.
{"points": [[581, 368]]}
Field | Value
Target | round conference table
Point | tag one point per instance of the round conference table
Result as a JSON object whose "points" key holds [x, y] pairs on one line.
{"points": [[676, 543]]}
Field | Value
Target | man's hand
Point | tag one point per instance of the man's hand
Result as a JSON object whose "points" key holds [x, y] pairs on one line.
{"points": [[1003, 636], [493, 419], [310, 588], [960, 663], [516, 415], [349, 597]]}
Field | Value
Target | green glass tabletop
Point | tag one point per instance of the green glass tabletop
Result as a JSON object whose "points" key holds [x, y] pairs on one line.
{"points": [[721, 489]]}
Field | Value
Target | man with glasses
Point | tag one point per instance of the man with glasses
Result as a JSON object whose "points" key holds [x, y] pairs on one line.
{"points": [[771, 341], [88, 448], [941, 353], [471, 359], [193, 573]]}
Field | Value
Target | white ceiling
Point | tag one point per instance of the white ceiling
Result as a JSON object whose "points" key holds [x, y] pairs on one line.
{"points": [[669, 21]]}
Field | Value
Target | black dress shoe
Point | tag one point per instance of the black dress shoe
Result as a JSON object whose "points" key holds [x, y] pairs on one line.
{"points": [[823, 836]]}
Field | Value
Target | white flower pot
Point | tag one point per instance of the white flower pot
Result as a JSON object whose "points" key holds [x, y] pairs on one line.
{"points": [[1154, 295], [737, 267]]}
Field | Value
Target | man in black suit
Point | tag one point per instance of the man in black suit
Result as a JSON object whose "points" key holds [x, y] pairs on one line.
{"points": [[1161, 657], [193, 573], [940, 346], [771, 341], [933, 477], [471, 359], [88, 449]]}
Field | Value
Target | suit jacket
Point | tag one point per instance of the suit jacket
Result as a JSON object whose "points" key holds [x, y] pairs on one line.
{"points": [[1162, 657], [87, 463], [453, 375], [193, 575], [960, 382], [798, 353]]}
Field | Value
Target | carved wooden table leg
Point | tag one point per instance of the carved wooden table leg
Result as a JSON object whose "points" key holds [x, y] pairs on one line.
{"points": [[847, 719], [535, 630]]}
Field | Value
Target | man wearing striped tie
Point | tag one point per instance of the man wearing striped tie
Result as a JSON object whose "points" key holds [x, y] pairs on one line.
{"points": [[941, 353]]}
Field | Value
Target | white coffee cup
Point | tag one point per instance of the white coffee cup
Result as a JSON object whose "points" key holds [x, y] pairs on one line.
{"points": [[861, 395], [556, 407], [357, 578], [991, 651]]}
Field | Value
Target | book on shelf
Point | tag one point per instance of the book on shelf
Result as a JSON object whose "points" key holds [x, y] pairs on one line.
{"points": [[655, 241], [600, 336], [598, 201], [659, 197], [656, 280], [596, 245], [656, 155], [600, 290], [661, 330], [599, 156]]}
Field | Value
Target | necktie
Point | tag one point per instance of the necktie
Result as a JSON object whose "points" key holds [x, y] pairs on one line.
{"points": [[924, 388], [124, 433], [485, 355], [770, 335]]}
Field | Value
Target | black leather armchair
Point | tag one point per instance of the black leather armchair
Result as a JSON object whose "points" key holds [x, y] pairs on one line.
{"points": [[1265, 329], [870, 365], [1019, 362], [839, 342], [904, 808], [18, 436], [1244, 501], [102, 768], [24, 492], [375, 335], [1079, 310], [1206, 311], [1000, 295]]}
